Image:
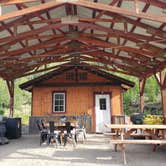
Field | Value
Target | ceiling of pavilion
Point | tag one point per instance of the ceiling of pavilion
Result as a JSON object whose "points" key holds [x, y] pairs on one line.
{"points": [[125, 36]]}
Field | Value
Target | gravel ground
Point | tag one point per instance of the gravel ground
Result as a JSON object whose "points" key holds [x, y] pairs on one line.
{"points": [[95, 152]]}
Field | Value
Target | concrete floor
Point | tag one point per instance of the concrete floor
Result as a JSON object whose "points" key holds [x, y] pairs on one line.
{"points": [[95, 152]]}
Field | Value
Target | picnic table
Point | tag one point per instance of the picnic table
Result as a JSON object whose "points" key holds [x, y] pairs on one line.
{"points": [[154, 134]]}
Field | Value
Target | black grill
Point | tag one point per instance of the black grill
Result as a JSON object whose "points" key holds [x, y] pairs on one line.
{"points": [[137, 118]]}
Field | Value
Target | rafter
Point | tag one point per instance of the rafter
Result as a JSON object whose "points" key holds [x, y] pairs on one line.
{"points": [[156, 3], [125, 66], [103, 44], [34, 47], [11, 2], [99, 38], [114, 9], [126, 60], [107, 68], [30, 10], [134, 26]]}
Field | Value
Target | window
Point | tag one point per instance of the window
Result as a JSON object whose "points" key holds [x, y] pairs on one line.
{"points": [[69, 76], [83, 76], [102, 102], [58, 102]]}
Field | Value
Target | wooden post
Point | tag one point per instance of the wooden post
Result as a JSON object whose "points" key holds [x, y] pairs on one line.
{"points": [[10, 85], [161, 79], [141, 92], [163, 97]]}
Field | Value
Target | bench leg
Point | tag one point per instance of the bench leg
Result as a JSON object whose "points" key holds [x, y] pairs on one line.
{"points": [[123, 153]]}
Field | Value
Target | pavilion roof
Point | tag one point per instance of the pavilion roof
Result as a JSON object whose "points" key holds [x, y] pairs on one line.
{"points": [[125, 36]]}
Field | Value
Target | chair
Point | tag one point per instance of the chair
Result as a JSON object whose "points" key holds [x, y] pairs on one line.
{"points": [[70, 135], [43, 132], [52, 136], [81, 132], [42, 124]]}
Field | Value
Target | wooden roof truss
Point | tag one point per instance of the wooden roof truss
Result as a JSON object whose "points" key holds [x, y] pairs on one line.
{"points": [[125, 36]]}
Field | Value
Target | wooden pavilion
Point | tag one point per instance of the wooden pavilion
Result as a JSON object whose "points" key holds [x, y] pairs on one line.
{"points": [[124, 36]]}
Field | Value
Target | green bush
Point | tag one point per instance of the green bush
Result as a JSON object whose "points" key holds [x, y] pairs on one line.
{"points": [[2, 112]]}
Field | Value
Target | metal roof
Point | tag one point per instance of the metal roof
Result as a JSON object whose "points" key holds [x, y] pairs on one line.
{"points": [[125, 36]]}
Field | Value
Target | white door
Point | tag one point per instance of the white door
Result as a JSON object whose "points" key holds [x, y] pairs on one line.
{"points": [[102, 111]]}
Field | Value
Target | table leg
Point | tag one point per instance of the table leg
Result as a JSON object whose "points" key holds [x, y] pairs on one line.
{"points": [[123, 148], [115, 147]]}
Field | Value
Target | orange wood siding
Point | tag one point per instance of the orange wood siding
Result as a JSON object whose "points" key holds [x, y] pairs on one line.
{"points": [[79, 100], [90, 78]]}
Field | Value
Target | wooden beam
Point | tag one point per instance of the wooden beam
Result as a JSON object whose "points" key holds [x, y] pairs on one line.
{"points": [[107, 68], [12, 2], [163, 92], [146, 7], [141, 92], [156, 3], [111, 64], [103, 44], [44, 44], [30, 10], [137, 23], [163, 96], [137, 38], [161, 80], [118, 10], [157, 68], [24, 35], [10, 85], [132, 61]]}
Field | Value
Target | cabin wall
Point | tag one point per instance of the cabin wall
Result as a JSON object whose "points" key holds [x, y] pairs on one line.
{"points": [[79, 100]]}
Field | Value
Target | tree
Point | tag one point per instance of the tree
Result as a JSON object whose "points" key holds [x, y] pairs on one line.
{"points": [[21, 97]]}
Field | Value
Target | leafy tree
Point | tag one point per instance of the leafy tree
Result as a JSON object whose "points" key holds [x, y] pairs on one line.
{"points": [[152, 90], [21, 97], [131, 97], [4, 95]]}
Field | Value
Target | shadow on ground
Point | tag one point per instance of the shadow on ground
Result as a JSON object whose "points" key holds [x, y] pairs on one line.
{"points": [[96, 151]]}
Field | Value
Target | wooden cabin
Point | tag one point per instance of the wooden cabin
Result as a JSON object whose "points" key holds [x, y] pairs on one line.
{"points": [[78, 90]]}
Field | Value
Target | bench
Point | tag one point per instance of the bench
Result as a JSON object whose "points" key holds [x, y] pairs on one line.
{"points": [[122, 144]]}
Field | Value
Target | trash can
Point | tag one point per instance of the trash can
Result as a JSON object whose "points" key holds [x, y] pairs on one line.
{"points": [[13, 128]]}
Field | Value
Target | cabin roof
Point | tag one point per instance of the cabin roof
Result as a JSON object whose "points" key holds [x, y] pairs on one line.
{"points": [[122, 36], [125, 84]]}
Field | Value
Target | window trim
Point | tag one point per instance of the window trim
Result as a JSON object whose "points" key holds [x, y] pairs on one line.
{"points": [[53, 102]]}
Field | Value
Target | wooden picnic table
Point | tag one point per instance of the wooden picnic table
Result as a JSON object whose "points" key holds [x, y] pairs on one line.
{"points": [[131, 126], [125, 130], [155, 135]]}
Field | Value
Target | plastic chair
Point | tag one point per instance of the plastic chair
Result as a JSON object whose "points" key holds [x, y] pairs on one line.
{"points": [[81, 132]]}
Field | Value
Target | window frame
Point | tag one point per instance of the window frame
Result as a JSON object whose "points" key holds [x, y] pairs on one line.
{"points": [[53, 102]]}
